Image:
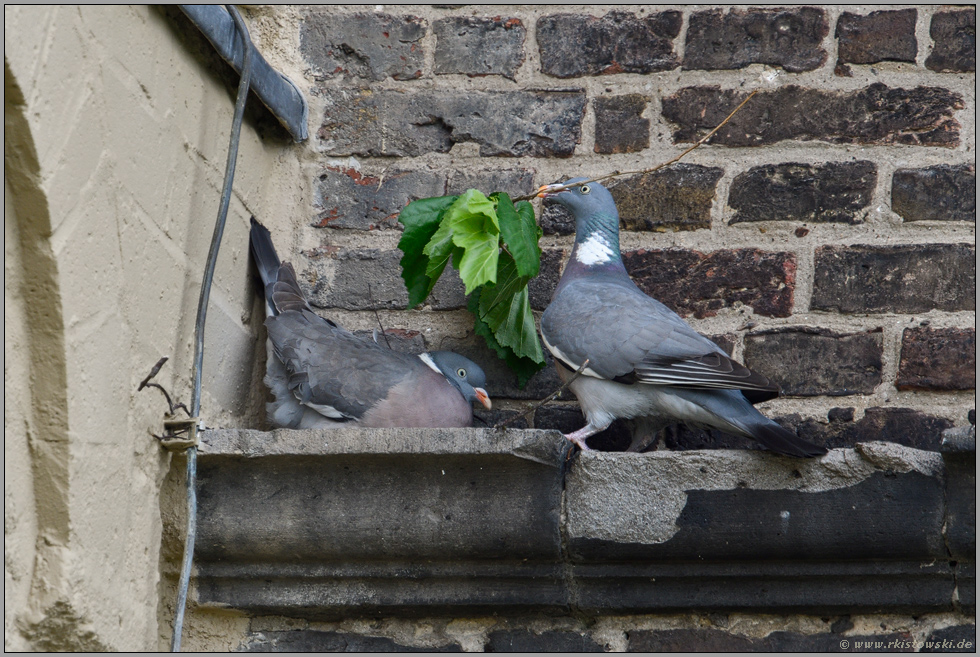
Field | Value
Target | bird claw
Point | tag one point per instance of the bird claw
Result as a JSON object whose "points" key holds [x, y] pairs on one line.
{"points": [[579, 440]]}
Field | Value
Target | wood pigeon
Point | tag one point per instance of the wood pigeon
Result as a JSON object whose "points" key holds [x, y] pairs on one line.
{"points": [[645, 362], [322, 376]]}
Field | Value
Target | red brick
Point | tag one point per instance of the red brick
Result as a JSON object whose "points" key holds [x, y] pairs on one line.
{"points": [[910, 278], [786, 37], [619, 124], [701, 284], [938, 359], [876, 37], [817, 193], [806, 361], [573, 45], [954, 34], [938, 193], [676, 198], [877, 114]]}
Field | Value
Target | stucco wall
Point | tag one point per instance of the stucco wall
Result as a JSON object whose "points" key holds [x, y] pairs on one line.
{"points": [[116, 134]]}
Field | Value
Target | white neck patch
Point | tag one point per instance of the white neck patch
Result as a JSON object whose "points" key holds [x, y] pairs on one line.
{"points": [[427, 359], [594, 250]]}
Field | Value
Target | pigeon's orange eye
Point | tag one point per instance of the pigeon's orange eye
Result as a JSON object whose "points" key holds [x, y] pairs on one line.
{"points": [[461, 373], [585, 189]]}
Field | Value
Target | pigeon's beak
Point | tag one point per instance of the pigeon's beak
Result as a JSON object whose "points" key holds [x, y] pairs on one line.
{"points": [[548, 191], [483, 397]]}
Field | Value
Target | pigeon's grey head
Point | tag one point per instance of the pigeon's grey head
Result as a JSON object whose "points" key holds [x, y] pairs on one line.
{"points": [[596, 220], [585, 200], [464, 374]]}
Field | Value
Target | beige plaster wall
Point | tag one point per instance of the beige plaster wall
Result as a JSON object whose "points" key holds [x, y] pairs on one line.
{"points": [[116, 134]]}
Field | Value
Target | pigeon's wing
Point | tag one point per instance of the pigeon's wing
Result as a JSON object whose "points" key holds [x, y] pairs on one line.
{"points": [[331, 370], [630, 337]]}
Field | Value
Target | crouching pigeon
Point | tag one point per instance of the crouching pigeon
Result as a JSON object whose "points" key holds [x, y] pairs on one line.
{"points": [[645, 362], [323, 376]]}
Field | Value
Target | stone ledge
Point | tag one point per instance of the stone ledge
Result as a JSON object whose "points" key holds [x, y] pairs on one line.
{"points": [[401, 522]]}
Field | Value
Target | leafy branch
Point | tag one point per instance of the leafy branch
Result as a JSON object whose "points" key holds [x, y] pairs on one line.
{"points": [[493, 243]]}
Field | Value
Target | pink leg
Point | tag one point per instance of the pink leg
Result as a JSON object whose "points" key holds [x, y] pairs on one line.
{"points": [[578, 437]]}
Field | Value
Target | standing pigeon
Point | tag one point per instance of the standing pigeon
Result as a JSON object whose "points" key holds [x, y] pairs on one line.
{"points": [[322, 376], [645, 362]]}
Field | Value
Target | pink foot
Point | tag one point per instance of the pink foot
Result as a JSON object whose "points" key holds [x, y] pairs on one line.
{"points": [[578, 437]]}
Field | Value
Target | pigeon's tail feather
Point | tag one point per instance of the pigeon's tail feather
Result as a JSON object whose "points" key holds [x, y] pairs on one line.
{"points": [[285, 294], [730, 411], [784, 441], [263, 253], [282, 291]]}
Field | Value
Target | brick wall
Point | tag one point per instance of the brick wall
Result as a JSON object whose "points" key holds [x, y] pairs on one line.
{"points": [[825, 236]]}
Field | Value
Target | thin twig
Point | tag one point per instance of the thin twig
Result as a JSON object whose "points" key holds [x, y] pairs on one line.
{"points": [[147, 383], [383, 334], [378, 317], [564, 386], [153, 372], [558, 188]]}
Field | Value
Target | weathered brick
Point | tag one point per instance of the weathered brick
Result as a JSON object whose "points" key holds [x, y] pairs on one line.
{"points": [[958, 638], [938, 359], [404, 340], [619, 124], [701, 284], [547, 641], [346, 198], [478, 46], [955, 37], [515, 182], [830, 192], [807, 361], [938, 193], [676, 198], [449, 292], [786, 37], [572, 45], [391, 123], [321, 641], [685, 640], [876, 37], [541, 288], [897, 279], [362, 279], [922, 116], [364, 45], [556, 220], [905, 426]]}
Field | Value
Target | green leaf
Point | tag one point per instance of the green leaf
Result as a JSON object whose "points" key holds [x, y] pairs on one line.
{"points": [[474, 225], [520, 233], [509, 282], [439, 249], [421, 220], [506, 309], [523, 367]]}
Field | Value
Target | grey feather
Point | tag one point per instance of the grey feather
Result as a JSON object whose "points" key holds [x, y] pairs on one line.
{"points": [[645, 362], [323, 376]]}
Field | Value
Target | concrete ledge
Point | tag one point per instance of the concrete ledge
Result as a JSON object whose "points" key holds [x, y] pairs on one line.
{"points": [[340, 524]]}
